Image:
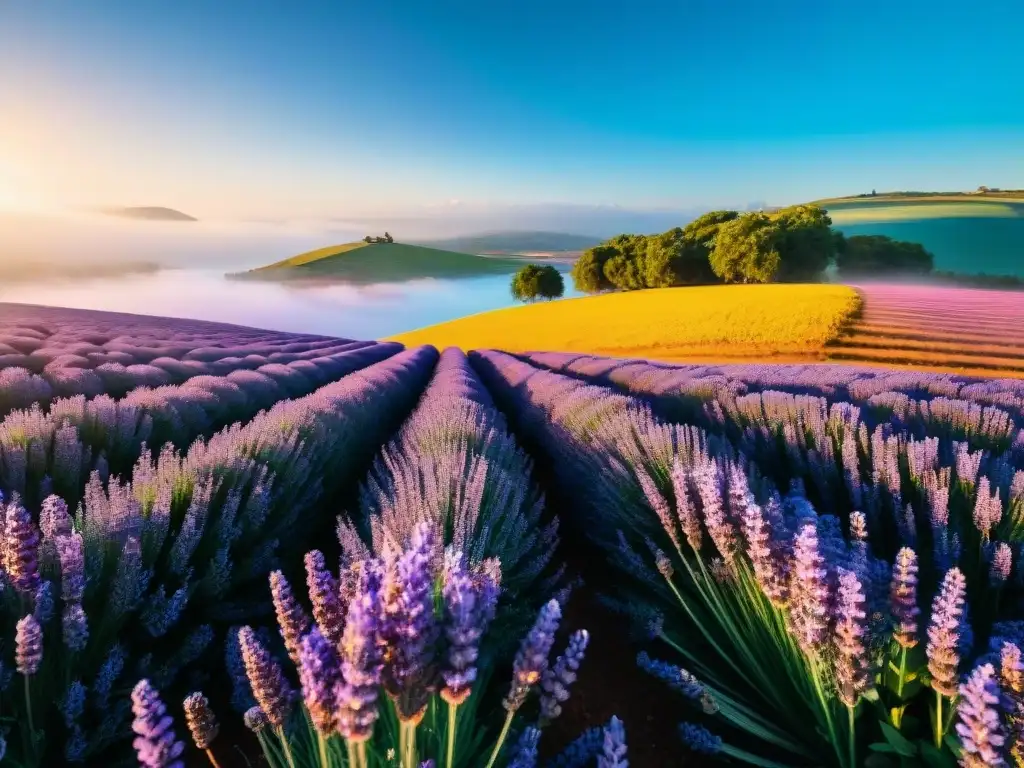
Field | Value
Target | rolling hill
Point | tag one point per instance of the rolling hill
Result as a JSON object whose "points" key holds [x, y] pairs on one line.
{"points": [[381, 262], [150, 213], [515, 242]]}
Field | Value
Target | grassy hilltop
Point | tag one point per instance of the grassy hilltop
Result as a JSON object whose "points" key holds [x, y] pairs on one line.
{"points": [[381, 262]]}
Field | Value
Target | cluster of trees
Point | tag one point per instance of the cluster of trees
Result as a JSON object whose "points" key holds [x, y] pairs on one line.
{"points": [[537, 282], [795, 244], [386, 239]]}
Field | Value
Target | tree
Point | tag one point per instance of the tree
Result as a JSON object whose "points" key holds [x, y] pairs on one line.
{"points": [[746, 250], [588, 271], [673, 259], [537, 282], [805, 243], [704, 229], [388, 238], [865, 255], [367, 239]]}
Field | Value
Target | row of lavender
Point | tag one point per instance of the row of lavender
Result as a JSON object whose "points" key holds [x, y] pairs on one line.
{"points": [[56, 450], [140, 580], [393, 655], [838, 578], [47, 353]]}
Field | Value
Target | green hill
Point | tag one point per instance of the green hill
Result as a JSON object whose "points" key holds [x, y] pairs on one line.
{"points": [[381, 262], [516, 242]]}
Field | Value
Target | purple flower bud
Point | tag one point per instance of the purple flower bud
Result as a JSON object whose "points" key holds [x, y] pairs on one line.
{"points": [[319, 674], [557, 680], [852, 671], [255, 720], [809, 592], [43, 602], [700, 739], [763, 552], [361, 661], [75, 627], [679, 680], [269, 687], [686, 512], [581, 752], [200, 720], [944, 633], [532, 659], [21, 549], [323, 592], [155, 744], [1002, 564], [1011, 668], [467, 614], [613, 751], [981, 733], [524, 753], [28, 646], [903, 598], [54, 520], [292, 619], [71, 552]]}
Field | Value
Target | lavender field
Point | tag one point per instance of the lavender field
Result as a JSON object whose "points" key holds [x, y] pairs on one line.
{"points": [[228, 546]]}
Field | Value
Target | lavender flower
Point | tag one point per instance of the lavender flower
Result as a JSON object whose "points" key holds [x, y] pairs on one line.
{"points": [[54, 520], [268, 684], [1011, 668], [852, 671], [1002, 564], [700, 739], [43, 602], [761, 549], [75, 627], [981, 732], [409, 673], [320, 675], [28, 646], [200, 720], [71, 552], [613, 750], [255, 720], [73, 704], [679, 680], [532, 659], [524, 753], [556, 681], [156, 744], [903, 598], [361, 661], [323, 592], [687, 515], [291, 617], [580, 752], [809, 592], [467, 608], [944, 633], [21, 550]]}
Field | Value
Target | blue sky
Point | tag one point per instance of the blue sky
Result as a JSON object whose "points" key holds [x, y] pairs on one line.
{"points": [[262, 109]]}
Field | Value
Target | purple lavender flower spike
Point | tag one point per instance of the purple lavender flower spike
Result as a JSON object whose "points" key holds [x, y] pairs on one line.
{"points": [[679, 680], [903, 598], [319, 674], [328, 611], [1002, 564], [532, 659], [155, 744], [613, 751], [700, 739], [944, 633], [763, 554], [255, 720], [557, 680], [269, 687], [524, 753], [428, 764], [28, 646], [43, 602], [852, 672], [71, 553], [410, 672], [200, 720], [1011, 668], [54, 520], [687, 515], [21, 549], [581, 752], [292, 619], [361, 663], [809, 592], [981, 732], [467, 614]]}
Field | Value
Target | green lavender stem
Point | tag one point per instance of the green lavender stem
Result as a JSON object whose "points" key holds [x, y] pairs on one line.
{"points": [[452, 711], [501, 738]]}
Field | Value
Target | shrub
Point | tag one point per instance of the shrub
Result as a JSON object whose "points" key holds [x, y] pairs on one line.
{"points": [[537, 282]]}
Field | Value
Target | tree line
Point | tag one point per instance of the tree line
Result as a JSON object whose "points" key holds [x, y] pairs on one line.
{"points": [[795, 244]]}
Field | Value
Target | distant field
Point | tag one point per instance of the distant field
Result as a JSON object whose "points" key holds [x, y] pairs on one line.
{"points": [[381, 262], [966, 234], [721, 322], [967, 330]]}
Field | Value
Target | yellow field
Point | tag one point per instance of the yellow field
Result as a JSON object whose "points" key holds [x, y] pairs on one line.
{"points": [[875, 212], [720, 322]]}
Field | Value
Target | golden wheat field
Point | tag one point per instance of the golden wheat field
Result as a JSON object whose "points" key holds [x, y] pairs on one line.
{"points": [[722, 322]]}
